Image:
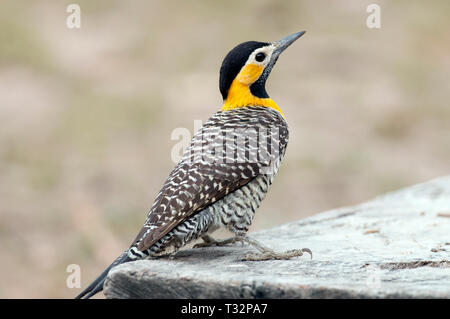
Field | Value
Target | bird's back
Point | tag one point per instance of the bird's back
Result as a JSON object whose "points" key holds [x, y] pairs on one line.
{"points": [[220, 181]]}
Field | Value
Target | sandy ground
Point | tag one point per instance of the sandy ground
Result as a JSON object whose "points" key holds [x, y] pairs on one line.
{"points": [[86, 115]]}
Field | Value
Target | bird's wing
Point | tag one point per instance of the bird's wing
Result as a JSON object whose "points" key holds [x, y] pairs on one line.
{"points": [[203, 177]]}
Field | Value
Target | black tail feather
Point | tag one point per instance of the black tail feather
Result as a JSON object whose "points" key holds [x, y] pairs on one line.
{"points": [[97, 285]]}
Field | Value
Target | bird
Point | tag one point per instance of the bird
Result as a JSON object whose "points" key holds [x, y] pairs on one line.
{"points": [[226, 170]]}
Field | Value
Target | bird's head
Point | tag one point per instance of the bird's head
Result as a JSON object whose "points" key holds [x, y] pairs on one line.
{"points": [[245, 70]]}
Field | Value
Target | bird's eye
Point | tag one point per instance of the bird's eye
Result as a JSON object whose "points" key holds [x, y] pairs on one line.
{"points": [[260, 57]]}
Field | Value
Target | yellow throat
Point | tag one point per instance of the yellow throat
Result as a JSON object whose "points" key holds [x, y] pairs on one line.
{"points": [[239, 94]]}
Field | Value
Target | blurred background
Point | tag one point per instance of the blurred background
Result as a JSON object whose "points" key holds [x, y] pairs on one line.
{"points": [[86, 115]]}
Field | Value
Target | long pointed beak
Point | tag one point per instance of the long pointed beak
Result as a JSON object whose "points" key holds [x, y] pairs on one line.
{"points": [[282, 44]]}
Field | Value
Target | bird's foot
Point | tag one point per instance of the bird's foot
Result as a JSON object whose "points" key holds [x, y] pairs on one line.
{"points": [[269, 254], [208, 241], [265, 252]]}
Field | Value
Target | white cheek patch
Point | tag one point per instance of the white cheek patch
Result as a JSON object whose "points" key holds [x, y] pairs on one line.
{"points": [[266, 50]]}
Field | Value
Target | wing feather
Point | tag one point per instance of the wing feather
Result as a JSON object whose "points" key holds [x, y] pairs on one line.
{"points": [[199, 181]]}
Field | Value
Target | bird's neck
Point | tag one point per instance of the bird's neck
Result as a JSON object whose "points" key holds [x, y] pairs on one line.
{"points": [[239, 95]]}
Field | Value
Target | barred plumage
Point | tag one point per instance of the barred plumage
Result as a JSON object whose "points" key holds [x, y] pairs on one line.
{"points": [[202, 195]]}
